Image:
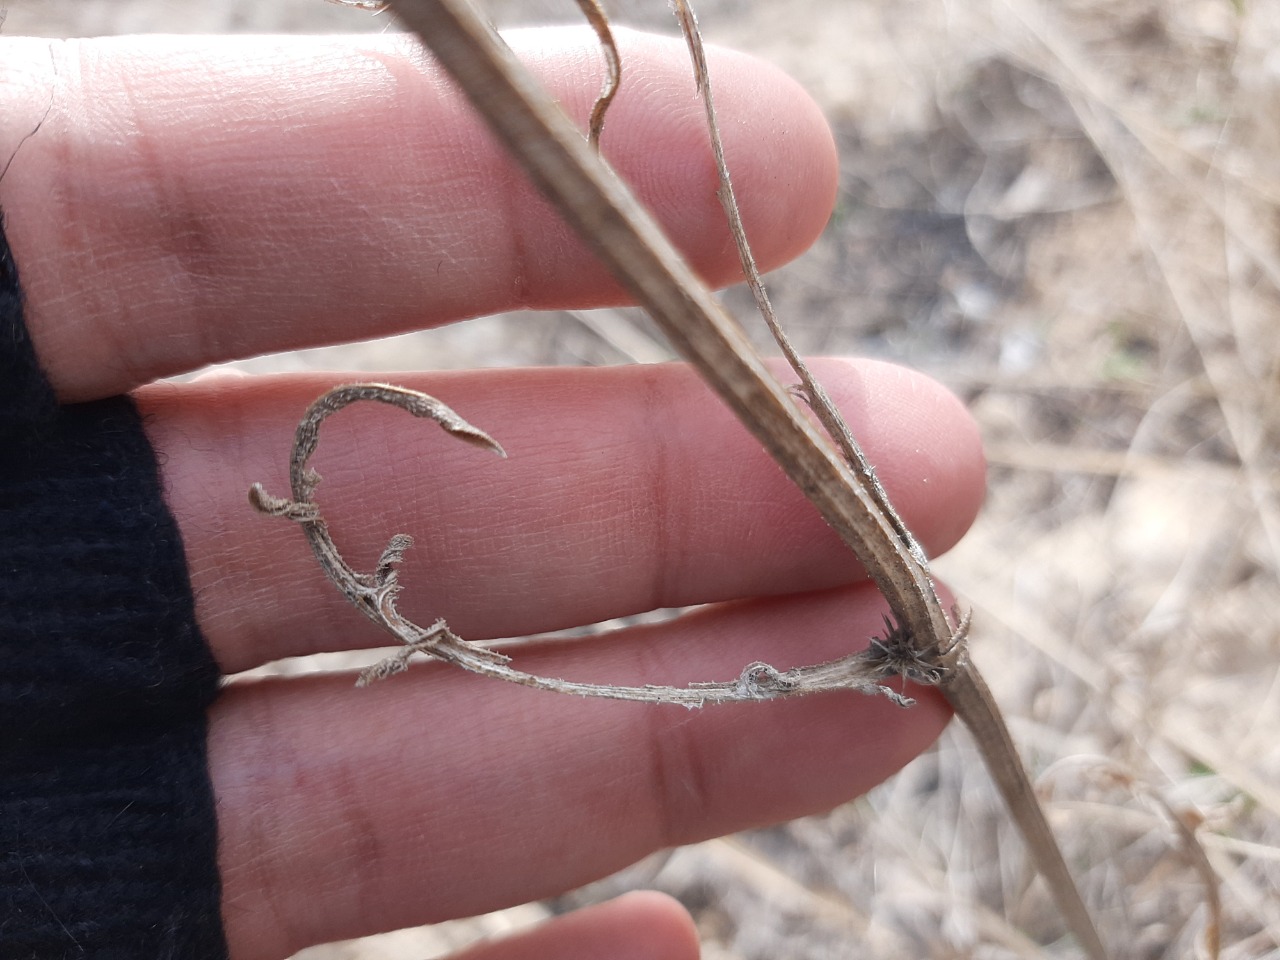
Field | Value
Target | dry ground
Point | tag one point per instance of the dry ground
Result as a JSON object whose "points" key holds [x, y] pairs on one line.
{"points": [[1067, 212]]}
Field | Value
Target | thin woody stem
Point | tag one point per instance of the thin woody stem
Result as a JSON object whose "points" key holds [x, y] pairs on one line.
{"points": [[595, 15], [814, 393], [374, 594]]}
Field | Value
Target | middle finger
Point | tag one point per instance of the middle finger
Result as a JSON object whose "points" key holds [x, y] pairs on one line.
{"points": [[627, 489]]}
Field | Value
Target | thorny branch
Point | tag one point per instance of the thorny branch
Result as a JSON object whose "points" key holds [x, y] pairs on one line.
{"points": [[922, 645]]}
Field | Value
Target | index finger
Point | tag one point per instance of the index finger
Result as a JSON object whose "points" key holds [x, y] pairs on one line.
{"points": [[192, 200]]}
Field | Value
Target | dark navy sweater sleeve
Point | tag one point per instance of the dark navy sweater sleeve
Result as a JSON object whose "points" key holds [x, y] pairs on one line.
{"points": [[108, 834]]}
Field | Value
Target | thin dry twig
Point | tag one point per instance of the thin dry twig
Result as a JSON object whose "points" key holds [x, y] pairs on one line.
{"points": [[922, 645], [595, 15], [374, 594], [809, 389]]}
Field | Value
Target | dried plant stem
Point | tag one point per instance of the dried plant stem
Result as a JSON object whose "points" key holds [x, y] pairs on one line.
{"points": [[375, 594], [634, 248], [922, 645], [595, 15], [811, 390], [965, 688]]}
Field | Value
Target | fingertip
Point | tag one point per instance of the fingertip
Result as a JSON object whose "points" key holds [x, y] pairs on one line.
{"points": [[928, 447], [658, 925], [783, 160], [781, 156], [779, 150], [643, 925]]}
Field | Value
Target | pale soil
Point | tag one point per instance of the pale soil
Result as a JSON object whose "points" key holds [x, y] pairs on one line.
{"points": [[1068, 213]]}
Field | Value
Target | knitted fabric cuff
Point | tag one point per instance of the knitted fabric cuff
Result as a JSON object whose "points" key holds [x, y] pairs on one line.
{"points": [[107, 825]]}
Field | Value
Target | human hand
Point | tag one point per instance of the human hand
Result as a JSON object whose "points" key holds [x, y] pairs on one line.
{"points": [[217, 199]]}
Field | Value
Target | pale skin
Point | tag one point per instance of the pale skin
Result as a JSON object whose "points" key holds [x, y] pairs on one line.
{"points": [[187, 201]]}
